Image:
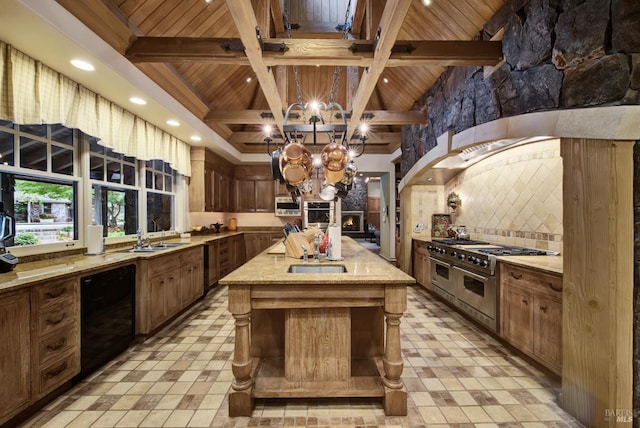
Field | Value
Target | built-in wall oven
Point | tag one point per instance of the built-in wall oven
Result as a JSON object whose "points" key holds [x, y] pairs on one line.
{"points": [[477, 295], [442, 279], [318, 213]]}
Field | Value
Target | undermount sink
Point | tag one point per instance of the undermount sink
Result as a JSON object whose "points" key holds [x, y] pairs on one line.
{"points": [[152, 248], [317, 269], [165, 245]]}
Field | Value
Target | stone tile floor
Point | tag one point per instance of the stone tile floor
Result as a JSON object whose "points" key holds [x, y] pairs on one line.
{"points": [[456, 376]]}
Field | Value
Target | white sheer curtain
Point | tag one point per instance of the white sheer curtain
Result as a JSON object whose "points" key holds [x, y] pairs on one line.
{"points": [[31, 92]]}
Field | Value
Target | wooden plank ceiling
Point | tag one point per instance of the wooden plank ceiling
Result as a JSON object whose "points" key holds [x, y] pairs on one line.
{"points": [[206, 54]]}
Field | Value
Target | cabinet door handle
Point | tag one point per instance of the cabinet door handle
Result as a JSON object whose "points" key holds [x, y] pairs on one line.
{"points": [[525, 301], [554, 288], [54, 322], [515, 276], [52, 295], [55, 372], [56, 346], [543, 309]]}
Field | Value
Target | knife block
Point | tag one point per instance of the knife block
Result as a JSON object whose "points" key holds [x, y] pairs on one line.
{"points": [[293, 245]]}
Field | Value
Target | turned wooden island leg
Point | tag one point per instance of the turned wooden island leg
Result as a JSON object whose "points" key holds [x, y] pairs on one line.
{"points": [[241, 398], [395, 396]]}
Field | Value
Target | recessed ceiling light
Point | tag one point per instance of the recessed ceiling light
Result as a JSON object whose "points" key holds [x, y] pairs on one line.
{"points": [[208, 1], [248, 79], [385, 80], [426, 2], [138, 101], [82, 65], [196, 138], [173, 122]]}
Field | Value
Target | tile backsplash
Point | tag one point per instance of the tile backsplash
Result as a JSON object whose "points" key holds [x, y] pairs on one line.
{"points": [[513, 197]]}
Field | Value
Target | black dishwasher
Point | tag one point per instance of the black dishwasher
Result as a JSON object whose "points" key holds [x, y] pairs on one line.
{"points": [[107, 321]]}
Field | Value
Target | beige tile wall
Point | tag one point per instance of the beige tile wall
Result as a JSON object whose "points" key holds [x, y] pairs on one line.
{"points": [[513, 197]]}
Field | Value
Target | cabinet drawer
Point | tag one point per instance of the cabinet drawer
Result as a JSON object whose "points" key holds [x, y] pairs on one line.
{"points": [[55, 318], [53, 346], [58, 371], [164, 264], [59, 292], [190, 256], [533, 280]]}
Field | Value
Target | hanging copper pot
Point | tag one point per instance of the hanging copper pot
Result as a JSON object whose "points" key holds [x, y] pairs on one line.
{"points": [[334, 157], [296, 164]]}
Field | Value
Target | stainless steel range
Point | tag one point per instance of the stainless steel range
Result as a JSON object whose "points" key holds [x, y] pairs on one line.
{"points": [[463, 273]]}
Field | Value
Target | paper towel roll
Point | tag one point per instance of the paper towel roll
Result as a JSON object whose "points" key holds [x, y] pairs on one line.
{"points": [[335, 238], [94, 239]]}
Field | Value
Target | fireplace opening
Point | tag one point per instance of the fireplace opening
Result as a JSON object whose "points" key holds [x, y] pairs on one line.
{"points": [[353, 221]]}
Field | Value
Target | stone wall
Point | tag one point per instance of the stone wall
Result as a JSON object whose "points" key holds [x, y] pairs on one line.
{"points": [[558, 54]]}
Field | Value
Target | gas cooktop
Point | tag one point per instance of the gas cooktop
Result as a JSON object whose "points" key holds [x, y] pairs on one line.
{"points": [[507, 250], [459, 242]]}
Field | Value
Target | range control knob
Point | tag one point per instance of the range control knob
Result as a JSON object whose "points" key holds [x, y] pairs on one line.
{"points": [[454, 253], [484, 263], [430, 248], [442, 250], [461, 256], [476, 260], [470, 259]]}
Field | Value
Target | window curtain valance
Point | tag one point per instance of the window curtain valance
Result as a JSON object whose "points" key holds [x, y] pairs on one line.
{"points": [[32, 93]]}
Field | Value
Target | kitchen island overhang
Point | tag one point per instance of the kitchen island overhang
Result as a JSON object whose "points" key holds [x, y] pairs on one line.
{"points": [[317, 335]]}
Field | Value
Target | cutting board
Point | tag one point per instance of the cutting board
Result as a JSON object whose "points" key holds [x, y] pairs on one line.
{"points": [[293, 245], [277, 249]]}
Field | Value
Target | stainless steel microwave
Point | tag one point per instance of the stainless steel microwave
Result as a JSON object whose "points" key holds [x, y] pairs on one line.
{"points": [[286, 207]]}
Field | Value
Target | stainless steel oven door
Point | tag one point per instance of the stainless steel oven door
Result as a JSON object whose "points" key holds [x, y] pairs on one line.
{"points": [[477, 291], [442, 279]]}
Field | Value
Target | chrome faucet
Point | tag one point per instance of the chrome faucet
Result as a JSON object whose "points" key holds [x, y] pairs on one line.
{"points": [[316, 248], [139, 239]]}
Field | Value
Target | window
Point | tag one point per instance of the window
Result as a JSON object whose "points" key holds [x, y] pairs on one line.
{"points": [[160, 179], [38, 188], [115, 208], [113, 195], [42, 188]]}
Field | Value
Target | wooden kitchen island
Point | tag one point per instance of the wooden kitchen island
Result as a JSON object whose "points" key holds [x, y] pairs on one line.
{"points": [[304, 335]]}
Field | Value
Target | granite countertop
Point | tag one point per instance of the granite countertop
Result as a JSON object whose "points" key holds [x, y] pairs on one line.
{"points": [[363, 267], [543, 263], [26, 274]]}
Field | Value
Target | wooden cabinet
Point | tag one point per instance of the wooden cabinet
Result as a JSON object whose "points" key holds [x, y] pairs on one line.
{"points": [[168, 284], [231, 254], [421, 264], [223, 195], [192, 275], [373, 212], [211, 186], [212, 265], [56, 334], [531, 313], [257, 242], [255, 188], [15, 359]]}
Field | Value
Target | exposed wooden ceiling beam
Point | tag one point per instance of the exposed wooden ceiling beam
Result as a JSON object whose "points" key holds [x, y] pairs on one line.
{"points": [[448, 53], [185, 49], [391, 21], [276, 15], [260, 117], [245, 21], [374, 138], [327, 52]]}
